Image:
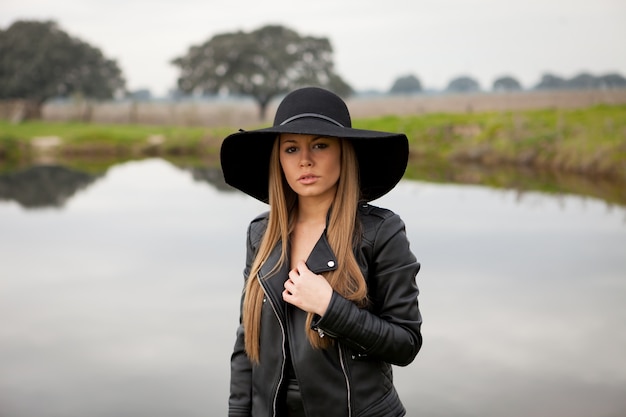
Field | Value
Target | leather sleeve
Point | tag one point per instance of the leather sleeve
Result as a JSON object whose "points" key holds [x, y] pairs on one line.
{"points": [[390, 328], [240, 400]]}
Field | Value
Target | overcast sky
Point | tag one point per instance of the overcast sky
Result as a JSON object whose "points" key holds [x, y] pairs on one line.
{"points": [[374, 41]]}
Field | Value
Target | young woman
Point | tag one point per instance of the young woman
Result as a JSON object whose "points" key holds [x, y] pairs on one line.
{"points": [[330, 298]]}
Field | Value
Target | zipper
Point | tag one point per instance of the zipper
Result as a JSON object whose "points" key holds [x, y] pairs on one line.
{"points": [[282, 330], [345, 375]]}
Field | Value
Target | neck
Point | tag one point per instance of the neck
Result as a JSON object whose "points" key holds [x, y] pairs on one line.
{"points": [[313, 210]]}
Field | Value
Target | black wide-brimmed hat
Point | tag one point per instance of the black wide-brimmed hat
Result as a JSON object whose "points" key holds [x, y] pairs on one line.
{"points": [[382, 156]]}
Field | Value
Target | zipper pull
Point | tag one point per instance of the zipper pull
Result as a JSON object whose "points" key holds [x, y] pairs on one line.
{"points": [[318, 330]]}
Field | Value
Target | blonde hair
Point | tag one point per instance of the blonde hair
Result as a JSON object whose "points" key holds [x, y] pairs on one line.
{"points": [[347, 279]]}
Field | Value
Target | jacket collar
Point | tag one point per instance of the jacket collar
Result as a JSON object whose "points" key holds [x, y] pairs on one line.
{"points": [[321, 259]]}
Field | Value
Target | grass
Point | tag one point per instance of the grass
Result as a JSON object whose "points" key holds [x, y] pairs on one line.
{"points": [[74, 133], [589, 141]]}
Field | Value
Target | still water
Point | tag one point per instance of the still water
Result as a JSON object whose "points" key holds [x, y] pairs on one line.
{"points": [[119, 297]]}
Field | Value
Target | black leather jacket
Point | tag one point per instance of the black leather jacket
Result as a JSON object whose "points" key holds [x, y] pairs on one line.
{"points": [[354, 377]]}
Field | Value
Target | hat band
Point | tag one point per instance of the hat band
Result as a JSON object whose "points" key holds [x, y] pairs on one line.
{"points": [[316, 115]]}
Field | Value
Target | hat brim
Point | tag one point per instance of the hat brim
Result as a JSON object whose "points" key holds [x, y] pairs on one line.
{"points": [[382, 156]]}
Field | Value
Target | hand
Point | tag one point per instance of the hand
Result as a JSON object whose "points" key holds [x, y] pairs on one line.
{"points": [[307, 291]]}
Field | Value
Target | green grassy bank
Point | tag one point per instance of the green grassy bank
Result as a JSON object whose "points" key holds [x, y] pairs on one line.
{"points": [[590, 141]]}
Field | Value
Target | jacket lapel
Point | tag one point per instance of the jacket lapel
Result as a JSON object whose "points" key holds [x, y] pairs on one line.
{"points": [[321, 259]]}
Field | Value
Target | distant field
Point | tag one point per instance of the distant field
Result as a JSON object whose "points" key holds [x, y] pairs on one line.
{"points": [[244, 113]]}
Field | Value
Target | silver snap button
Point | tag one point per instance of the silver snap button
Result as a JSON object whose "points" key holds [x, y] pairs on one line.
{"points": [[331, 263]]}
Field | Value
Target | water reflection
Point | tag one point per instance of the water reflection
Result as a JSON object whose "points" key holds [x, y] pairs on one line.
{"points": [[124, 302], [52, 185], [211, 175], [43, 185]]}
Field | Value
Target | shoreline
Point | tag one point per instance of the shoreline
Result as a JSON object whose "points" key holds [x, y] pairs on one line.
{"points": [[582, 142]]}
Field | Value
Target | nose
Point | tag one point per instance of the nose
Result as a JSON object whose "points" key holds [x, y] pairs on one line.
{"points": [[305, 158]]}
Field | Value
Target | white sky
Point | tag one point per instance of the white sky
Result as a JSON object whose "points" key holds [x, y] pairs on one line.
{"points": [[374, 41]]}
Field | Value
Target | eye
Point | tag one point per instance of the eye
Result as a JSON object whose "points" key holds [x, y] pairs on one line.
{"points": [[290, 149], [320, 145]]}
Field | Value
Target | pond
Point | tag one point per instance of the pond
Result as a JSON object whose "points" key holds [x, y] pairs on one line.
{"points": [[119, 296]]}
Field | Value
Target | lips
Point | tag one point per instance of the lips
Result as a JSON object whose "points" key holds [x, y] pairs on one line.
{"points": [[307, 179]]}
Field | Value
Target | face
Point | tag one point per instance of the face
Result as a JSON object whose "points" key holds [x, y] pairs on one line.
{"points": [[311, 164]]}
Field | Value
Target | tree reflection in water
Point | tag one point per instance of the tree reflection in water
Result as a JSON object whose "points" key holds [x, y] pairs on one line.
{"points": [[53, 185], [43, 185]]}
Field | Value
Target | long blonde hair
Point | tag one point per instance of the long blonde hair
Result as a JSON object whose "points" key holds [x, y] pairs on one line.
{"points": [[346, 280]]}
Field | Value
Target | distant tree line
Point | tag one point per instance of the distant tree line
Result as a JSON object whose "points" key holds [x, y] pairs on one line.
{"points": [[408, 84], [581, 81]]}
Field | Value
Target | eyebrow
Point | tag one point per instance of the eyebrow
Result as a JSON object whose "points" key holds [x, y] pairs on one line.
{"points": [[314, 139]]}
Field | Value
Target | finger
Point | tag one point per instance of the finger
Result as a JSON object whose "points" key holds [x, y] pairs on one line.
{"points": [[294, 273], [301, 267]]}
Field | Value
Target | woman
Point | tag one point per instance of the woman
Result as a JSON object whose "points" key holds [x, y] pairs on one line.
{"points": [[330, 299]]}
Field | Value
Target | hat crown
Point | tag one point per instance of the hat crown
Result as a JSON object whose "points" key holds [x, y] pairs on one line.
{"points": [[313, 102]]}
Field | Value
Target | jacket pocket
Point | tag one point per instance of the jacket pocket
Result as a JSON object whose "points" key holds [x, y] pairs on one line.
{"points": [[389, 405]]}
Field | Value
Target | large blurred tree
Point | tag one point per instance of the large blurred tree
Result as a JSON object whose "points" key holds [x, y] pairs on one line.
{"points": [[263, 64], [39, 61]]}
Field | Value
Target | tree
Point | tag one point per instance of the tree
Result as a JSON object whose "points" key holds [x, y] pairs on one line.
{"points": [[583, 81], [506, 84], [551, 82], [39, 61], [406, 85], [463, 85], [613, 80], [142, 94], [263, 64]]}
